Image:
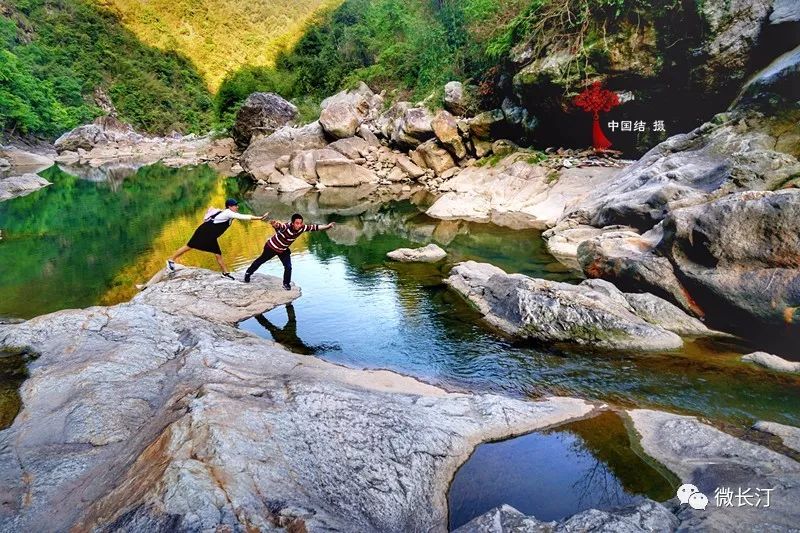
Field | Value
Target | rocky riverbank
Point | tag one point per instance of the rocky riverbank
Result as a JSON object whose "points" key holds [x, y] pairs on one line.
{"points": [[144, 416]]}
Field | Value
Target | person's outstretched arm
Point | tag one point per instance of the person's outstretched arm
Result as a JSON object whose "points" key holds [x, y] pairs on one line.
{"points": [[319, 227]]}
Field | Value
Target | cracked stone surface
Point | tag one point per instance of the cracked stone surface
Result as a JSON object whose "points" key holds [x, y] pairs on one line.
{"points": [[710, 459], [137, 417], [592, 313]]}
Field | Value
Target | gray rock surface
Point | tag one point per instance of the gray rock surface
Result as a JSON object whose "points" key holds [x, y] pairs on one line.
{"points": [[647, 516], [454, 98], [260, 115], [662, 313], [790, 435], [773, 362], [141, 418], [343, 173], [710, 459], [735, 258], [16, 186], [730, 155], [264, 151], [554, 312], [426, 254], [516, 193]]}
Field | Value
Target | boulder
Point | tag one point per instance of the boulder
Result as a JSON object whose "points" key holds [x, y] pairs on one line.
{"points": [[446, 130], [303, 163], [556, 313], [562, 241], [435, 157], [340, 120], [16, 186], [261, 114], [631, 262], [352, 147], [142, 418], [25, 160], [413, 170], [103, 130], [773, 362], [286, 140], [774, 89], [487, 125], [662, 313], [413, 128], [361, 99], [343, 173], [365, 133], [481, 148], [390, 121], [455, 100], [426, 254]]}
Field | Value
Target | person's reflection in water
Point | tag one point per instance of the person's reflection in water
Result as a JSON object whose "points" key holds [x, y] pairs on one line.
{"points": [[287, 335]]}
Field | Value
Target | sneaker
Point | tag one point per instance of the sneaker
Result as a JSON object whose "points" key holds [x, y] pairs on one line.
{"points": [[170, 265], [247, 277], [228, 275], [287, 286]]}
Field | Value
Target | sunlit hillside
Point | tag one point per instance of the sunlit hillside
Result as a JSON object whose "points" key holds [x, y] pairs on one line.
{"points": [[219, 36]]}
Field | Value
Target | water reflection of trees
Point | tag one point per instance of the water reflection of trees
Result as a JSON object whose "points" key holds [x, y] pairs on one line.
{"points": [[63, 244]]}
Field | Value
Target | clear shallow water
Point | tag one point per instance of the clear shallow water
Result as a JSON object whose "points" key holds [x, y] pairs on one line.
{"points": [[554, 474]]}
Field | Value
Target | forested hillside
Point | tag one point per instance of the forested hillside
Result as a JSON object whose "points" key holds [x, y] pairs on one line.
{"points": [[219, 37], [54, 54]]}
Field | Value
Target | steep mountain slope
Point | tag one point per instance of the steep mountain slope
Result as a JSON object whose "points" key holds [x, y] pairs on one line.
{"points": [[219, 36]]}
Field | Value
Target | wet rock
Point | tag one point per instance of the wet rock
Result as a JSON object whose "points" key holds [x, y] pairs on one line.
{"points": [[710, 459], [426, 254], [773, 362], [554, 312], [260, 115], [137, 418], [662, 313], [790, 435], [645, 517], [17, 186], [340, 120], [774, 88]]}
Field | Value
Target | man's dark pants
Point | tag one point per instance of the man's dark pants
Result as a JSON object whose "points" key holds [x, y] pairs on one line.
{"points": [[268, 254]]}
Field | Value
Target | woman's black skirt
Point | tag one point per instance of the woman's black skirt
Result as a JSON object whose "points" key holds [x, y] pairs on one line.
{"points": [[206, 235]]}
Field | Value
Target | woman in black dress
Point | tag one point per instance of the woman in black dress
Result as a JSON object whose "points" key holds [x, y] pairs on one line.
{"points": [[206, 235]]}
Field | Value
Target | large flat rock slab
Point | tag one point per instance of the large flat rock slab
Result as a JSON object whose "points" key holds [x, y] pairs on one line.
{"points": [[141, 417], [713, 460], [200, 293]]}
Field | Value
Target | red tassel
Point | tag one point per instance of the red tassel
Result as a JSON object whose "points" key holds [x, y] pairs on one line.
{"points": [[599, 140]]}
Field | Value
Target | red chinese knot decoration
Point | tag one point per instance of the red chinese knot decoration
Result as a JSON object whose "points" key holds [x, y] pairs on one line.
{"points": [[594, 99]]}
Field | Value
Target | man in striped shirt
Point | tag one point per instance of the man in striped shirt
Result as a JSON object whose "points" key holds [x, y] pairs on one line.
{"points": [[278, 244]]}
